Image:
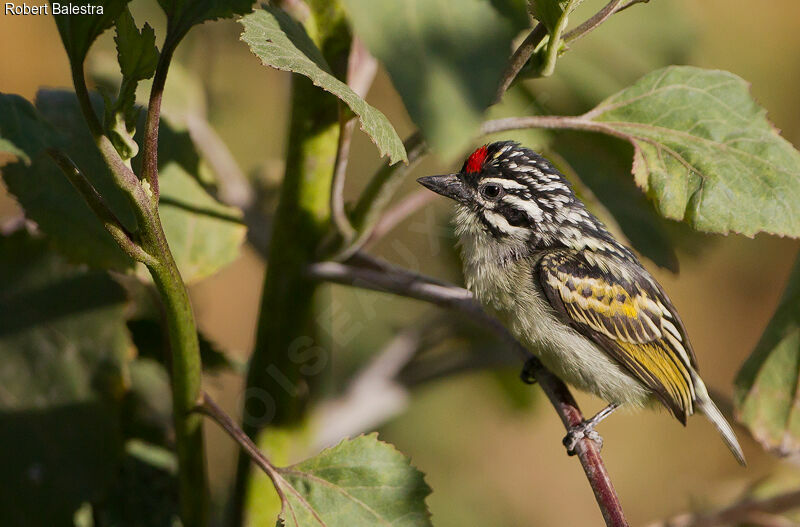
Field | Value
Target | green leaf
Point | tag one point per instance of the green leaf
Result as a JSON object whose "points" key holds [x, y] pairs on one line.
{"points": [[137, 56], [280, 42], [602, 163], [63, 343], [704, 150], [766, 395], [445, 58], [45, 193], [548, 12], [359, 482], [203, 234], [182, 15], [23, 132], [79, 31]]}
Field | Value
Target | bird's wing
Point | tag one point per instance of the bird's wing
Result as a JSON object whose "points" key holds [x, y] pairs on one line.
{"points": [[622, 309]]}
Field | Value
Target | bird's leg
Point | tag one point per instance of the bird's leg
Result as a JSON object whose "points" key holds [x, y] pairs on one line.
{"points": [[586, 429], [531, 365]]}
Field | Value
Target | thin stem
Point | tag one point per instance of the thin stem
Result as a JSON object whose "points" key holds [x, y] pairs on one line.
{"points": [[525, 51], [631, 3], [420, 287], [737, 513], [338, 214], [122, 173], [553, 122], [211, 409], [595, 21], [186, 367], [521, 57], [150, 150], [99, 206], [586, 450], [186, 372], [554, 43]]}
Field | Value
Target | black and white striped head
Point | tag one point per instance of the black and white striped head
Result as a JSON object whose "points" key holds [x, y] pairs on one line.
{"points": [[515, 195]]}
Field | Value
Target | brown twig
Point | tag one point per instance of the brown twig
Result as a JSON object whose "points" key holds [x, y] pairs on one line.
{"points": [[150, 150], [736, 513], [528, 46], [412, 285], [520, 57], [593, 22], [209, 407]]}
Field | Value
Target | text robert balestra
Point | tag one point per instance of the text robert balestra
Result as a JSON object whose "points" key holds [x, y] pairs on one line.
{"points": [[56, 8]]}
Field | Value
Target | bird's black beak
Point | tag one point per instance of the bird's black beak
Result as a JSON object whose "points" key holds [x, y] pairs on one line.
{"points": [[449, 186]]}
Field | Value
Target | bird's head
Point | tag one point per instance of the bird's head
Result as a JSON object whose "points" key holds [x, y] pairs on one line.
{"points": [[514, 195]]}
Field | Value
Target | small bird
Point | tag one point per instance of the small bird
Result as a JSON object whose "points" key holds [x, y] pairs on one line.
{"points": [[569, 291]]}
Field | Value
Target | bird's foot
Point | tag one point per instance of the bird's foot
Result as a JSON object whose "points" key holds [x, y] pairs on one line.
{"points": [[527, 374], [586, 429], [576, 433]]}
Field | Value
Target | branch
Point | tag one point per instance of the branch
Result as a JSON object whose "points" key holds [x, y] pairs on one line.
{"points": [[123, 175], [99, 206], [150, 150], [338, 214], [412, 285], [595, 21], [525, 51], [209, 407], [521, 57], [361, 70], [736, 513]]}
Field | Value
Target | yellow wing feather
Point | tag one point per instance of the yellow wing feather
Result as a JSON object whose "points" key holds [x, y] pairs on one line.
{"points": [[627, 315]]}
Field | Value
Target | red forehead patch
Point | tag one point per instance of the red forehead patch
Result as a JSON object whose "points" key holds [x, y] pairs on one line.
{"points": [[475, 161]]}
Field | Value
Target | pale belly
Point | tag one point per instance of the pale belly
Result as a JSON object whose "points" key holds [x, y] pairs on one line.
{"points": [[515, 297]]}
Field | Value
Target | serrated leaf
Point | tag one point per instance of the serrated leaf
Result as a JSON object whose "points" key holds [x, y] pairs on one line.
{"points": [[766, 396], [445, 58], [63, 343], [359, 482], [280, 42], [137, 56], [78, 32], [704, 150], [136, 50], [45, 193], [182, 15]]}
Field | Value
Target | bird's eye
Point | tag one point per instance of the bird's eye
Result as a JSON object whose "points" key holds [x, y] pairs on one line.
{"points": [[491, 191]]}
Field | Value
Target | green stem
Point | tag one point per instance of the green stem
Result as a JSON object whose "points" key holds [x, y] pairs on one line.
{"points": [[186, 370], [278, 384], [185, 352]]}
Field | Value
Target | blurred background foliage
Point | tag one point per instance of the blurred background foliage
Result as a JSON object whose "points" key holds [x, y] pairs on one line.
{"points": [[489, 446]]}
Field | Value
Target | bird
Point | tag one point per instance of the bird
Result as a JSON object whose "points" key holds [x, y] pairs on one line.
{"points": [[577, 298]]}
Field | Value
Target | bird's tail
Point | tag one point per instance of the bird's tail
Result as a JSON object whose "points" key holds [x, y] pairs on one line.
{"points": [[704, 403]]}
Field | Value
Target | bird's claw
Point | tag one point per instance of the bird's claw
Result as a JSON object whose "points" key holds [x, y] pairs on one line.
{"points": [[576, 433]]}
